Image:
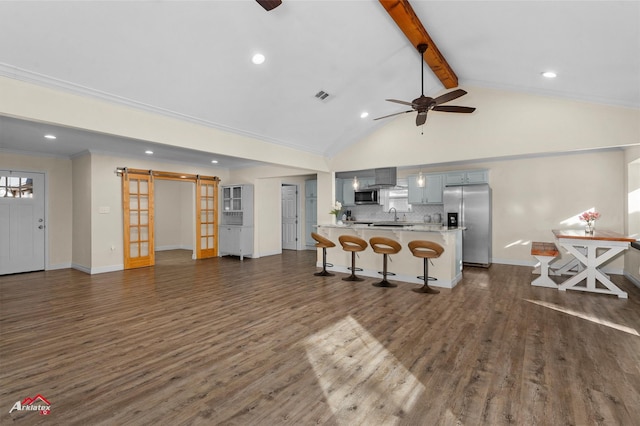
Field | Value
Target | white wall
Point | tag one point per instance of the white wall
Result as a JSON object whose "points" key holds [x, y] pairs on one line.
{"points": [[32, 102], [174, 214], [532, 196], [632, 207], [267, 181], [504, 124], [107, 229], [81, 213]]}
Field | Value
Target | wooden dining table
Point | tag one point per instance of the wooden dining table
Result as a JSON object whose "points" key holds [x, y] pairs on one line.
{"points": [[591, 251]]}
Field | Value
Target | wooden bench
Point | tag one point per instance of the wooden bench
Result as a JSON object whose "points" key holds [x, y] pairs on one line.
{"points": [[545, 253]]}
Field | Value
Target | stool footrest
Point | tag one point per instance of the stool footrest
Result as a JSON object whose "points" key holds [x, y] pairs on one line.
{"points": [[354, 269], [386, 273], [421, 277]]}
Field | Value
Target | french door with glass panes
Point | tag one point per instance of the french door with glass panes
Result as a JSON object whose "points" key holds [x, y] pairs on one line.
{"points": [[138, 206], [206, 218], [137, 202]]}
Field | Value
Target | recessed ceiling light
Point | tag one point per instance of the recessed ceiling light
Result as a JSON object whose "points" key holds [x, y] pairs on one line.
{"points": [[50, 136], [148, 152], [258, 58], [365, 114], [214, 161], [549, 74]]}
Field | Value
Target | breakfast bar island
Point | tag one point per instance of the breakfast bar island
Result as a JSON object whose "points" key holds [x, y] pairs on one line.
{"points": [[447, 269]]}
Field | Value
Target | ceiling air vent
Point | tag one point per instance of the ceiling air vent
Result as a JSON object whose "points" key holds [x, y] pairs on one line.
{"points": [[322, 95]]}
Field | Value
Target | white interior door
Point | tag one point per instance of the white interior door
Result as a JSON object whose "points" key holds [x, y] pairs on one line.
{"points": [[289, 217], [22, 226]]}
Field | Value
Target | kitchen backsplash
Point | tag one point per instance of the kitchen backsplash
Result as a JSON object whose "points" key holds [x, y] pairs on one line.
{"points": [[376, 213]]}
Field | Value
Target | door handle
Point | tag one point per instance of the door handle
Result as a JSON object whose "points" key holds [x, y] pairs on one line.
{"points": [[41, 227]]}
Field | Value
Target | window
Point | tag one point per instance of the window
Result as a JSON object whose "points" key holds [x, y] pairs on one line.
{"points": [[16, 187], [397, 197]]}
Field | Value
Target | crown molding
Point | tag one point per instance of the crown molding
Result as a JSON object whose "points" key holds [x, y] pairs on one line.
{"points": [[43, 80]]}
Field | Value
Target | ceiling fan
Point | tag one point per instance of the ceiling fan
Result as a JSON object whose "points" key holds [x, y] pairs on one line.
{"points": [[424, 104]]}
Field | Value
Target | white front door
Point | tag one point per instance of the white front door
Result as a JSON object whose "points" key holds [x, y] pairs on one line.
{"points": [[289, 217], [22, 226]]}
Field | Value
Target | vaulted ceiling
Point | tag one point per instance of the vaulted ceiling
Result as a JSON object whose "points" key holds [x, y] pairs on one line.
{"points": [[192, 60]]}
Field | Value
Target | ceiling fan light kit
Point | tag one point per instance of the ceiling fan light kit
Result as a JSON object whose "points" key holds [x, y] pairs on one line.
{"points": [[423, 104]]}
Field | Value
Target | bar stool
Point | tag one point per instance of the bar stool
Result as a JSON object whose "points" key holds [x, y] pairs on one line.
{"points": [[324, 244], [385, 246], [353, 244], [427, 250]]}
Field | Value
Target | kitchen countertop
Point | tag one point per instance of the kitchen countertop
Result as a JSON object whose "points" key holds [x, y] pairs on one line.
{"points": [[396, 226]]}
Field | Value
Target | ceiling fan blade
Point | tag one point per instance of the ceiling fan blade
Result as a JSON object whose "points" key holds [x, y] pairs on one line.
{"points": [[399, 102], [391, 115], [449, 96], [421, 118], [453, 108], [269, 4]]}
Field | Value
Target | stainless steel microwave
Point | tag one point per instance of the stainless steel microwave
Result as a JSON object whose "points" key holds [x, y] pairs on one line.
{"points": [[369, 196]]}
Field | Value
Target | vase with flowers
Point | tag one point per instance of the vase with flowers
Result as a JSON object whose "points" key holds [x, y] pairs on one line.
{"points": [[590, 221], [337, 208]]}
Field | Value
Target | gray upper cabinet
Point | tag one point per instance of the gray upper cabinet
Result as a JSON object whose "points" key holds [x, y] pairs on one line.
{"points": [[467, 177], [431, 193], [348, 194]]}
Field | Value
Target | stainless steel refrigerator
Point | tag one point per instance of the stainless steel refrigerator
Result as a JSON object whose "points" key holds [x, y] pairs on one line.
{"points": [[472, 204]]}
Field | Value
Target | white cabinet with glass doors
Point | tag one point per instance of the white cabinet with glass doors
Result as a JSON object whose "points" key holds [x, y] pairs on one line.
{"points": [[236, 223]]}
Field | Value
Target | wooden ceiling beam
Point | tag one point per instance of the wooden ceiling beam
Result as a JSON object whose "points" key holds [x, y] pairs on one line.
{"points": [[407, 20]]}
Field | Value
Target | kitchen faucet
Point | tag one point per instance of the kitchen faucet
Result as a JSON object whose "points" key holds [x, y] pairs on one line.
{"points": [[395, 214]]}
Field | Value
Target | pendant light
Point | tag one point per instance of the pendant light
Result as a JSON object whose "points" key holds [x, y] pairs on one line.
{"points": [[420, 180], [356, 184]]}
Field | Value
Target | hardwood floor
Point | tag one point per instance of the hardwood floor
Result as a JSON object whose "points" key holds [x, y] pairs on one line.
{"points": [[265, 342]]}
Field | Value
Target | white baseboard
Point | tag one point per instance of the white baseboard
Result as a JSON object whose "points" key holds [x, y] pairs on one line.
{"points": [[633, 279], [110, 268], [81, 268], [100, 270], [58, 266], [269, 253]]}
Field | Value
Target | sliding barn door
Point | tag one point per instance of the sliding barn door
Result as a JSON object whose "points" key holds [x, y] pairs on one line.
{"points": [[137, 191], [206, 214]]}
